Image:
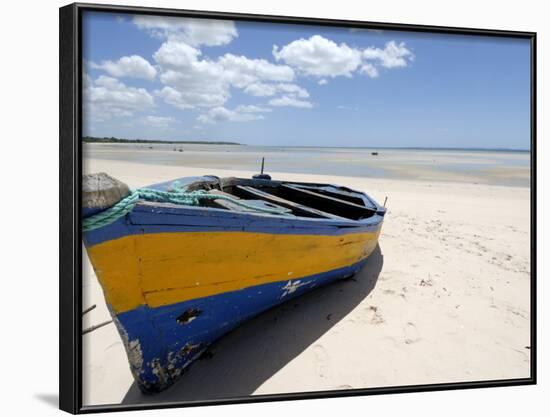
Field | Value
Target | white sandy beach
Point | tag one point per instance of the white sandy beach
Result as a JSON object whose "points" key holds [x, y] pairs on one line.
{"points": [[445, 298]]}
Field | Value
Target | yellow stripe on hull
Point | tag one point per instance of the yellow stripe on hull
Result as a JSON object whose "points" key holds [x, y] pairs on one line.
{"points": [[166, 268]]}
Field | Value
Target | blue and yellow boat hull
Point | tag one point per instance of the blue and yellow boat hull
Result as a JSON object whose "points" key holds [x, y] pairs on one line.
{"points": [[176, 278]]}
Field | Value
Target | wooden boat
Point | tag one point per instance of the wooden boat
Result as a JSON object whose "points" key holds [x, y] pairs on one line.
{"points": [[176, 276]]}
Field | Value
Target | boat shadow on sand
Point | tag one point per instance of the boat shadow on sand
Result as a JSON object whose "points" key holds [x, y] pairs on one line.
{"points": [[241, 361]]}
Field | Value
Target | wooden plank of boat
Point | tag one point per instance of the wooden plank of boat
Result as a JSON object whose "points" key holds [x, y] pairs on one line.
{"points": [[235, 207], [332, 191], [226, 204], [297, 208], [330, 204]]}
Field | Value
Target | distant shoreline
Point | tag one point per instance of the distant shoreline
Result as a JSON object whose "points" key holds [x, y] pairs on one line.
{"points": [[397, 148], [91, 139], [88, 139]]}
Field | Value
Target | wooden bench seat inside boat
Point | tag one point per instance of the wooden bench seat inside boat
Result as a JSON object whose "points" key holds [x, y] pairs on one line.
{"points": [[298, 209], [229, 205]]}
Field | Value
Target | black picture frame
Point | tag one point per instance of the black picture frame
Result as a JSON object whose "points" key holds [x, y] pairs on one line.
{"points": [[70, 261]]}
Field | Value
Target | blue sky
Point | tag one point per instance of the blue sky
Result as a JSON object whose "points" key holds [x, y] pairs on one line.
{"points": [[271, 84]]}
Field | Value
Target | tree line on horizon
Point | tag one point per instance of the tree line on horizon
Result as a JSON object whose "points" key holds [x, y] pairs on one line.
{"points": [[112, 139]]}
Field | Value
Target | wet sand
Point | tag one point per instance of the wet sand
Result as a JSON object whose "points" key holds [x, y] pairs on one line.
{"points": [[444, 298]]}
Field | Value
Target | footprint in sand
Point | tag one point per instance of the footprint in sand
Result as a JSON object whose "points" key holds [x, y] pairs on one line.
{"points": [[411, 333], [321, 361], [375, 317]]}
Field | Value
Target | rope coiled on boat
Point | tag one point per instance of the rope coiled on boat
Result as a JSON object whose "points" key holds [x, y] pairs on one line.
{"points": [[191, 198]]}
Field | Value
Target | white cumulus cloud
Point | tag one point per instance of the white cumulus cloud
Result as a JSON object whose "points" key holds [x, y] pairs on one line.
{"points": [[195, 32], [107, 97], [192, 98], [176, 55], [191, 81], [239, 114], [261, 89], [242, 71], [320, 57], [159, 122], [128, 66], [266, 90], [250, 108], [369, 70], [394, 55], [291, 102], [293, 89]]}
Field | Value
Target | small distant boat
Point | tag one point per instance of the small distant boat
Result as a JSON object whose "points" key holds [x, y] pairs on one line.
{"points": [[183, 262]]}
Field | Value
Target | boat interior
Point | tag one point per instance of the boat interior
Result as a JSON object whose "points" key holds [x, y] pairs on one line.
{"points": [[322, 201]]}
